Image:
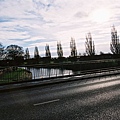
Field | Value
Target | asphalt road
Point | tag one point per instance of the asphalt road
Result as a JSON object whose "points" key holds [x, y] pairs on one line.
{"points": [[95, 99]]}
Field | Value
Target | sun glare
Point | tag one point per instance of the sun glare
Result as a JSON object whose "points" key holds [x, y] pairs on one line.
{"points": [[100, 15]]}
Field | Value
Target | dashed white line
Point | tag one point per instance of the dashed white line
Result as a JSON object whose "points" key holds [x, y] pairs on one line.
{"points": [[46, 102]]}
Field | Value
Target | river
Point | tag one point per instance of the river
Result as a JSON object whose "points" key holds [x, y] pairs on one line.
{"points": [[38, 73]]}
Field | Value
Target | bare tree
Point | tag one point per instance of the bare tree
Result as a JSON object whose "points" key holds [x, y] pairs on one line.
{"points": [[47, 54], [59, 50], [73, 48], [27, 55], [89, 44], [114, 45], [36, 53]]}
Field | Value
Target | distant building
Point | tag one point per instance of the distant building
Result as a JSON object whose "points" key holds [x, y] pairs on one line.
{"points": [[114, 45], [89, 45]]}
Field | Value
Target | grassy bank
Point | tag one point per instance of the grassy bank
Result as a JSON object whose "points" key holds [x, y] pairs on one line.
{"points": [[14, 76]]}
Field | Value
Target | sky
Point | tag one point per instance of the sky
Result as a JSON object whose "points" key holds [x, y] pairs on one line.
{"points": [[30, 23]]}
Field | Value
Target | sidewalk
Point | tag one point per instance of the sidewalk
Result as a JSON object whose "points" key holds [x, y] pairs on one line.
{"points": [[31, 84]]}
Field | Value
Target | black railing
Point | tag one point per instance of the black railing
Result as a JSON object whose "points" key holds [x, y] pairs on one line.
{"points": [[14, 74], [18, 74], [38, 73], [21, 74]]}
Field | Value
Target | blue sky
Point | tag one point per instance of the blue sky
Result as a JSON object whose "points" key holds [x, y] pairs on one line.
{"points": [[30, 23]]}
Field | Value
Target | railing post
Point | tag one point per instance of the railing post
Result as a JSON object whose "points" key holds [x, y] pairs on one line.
{"points": [[34, 73], [49, 73], [56, 73]]}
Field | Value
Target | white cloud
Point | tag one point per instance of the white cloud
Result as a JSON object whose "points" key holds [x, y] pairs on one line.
{"points": [[34, 39], [33, 23]]}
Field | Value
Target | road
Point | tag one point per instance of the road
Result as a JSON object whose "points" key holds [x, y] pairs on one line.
{"points": [[93, 99]]}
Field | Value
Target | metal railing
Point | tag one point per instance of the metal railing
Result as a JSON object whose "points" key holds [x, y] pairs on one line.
{"points": [[19, 74], [48, 73], [14, 74]]}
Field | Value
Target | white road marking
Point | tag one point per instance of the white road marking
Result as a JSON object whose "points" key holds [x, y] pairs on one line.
{"points": [[46, 102]]}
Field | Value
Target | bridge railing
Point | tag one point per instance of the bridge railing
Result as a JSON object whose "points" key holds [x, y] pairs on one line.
{"points": [[21, 74], [18, 74]]}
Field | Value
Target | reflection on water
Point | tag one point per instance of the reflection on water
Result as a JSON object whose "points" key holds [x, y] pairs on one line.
{"points": [[46, 72]]}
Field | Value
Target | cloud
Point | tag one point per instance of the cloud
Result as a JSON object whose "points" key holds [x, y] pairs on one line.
{"points": [[31, 23], [34, 39]]}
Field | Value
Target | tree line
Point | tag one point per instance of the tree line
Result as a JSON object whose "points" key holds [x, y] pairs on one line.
{"points": [[13, 52]]}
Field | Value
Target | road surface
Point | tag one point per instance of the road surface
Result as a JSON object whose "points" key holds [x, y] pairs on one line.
{"points": [[93, 99]]}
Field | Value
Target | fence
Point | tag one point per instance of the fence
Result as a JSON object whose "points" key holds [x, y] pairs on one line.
{"points": [[38, 73], [18, 74]]}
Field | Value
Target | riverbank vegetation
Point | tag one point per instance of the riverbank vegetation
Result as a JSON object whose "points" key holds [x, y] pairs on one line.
{"points": [[14, 76], [82, 62]]}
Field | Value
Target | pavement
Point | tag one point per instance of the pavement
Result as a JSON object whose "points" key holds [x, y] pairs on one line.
{"points": [[90, 99], [43, 82]]}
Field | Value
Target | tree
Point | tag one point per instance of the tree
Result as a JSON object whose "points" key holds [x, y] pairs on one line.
{"points": [[47, 54], [73, 48], [1, 50], [27, 55], [89, 44], [13, 52], [36, 53], [59, 50], [114, 45]]}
